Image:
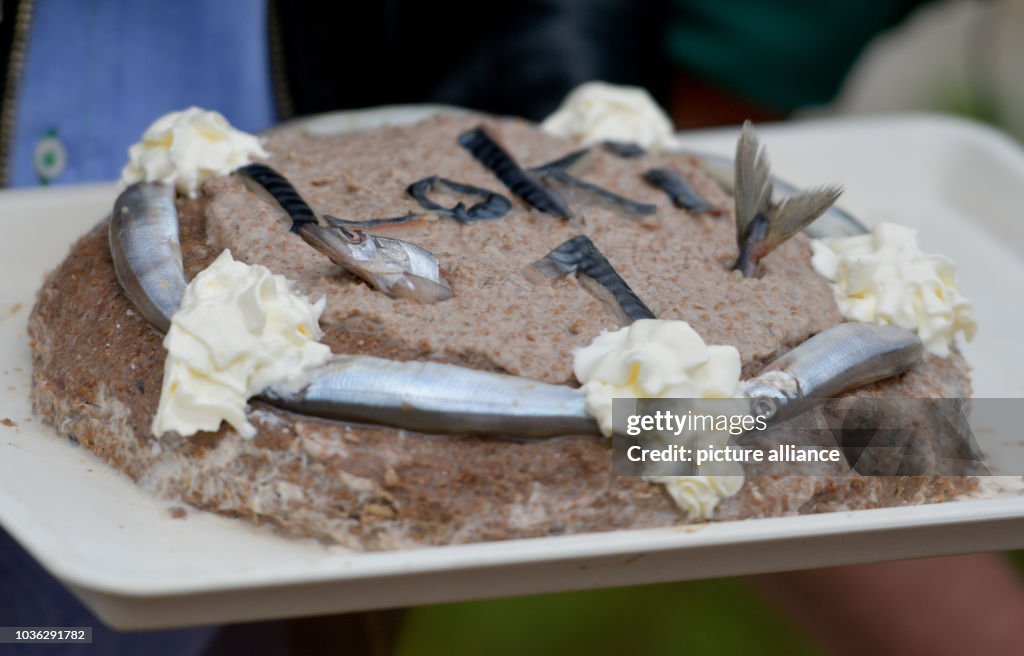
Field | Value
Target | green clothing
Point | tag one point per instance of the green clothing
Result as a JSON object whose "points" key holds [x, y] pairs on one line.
{"points": [[782, 54]]}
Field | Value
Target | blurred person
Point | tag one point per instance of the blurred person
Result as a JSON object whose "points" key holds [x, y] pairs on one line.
{"points": [[958, 56], [937, 606], [770, 60], [82, 80]]}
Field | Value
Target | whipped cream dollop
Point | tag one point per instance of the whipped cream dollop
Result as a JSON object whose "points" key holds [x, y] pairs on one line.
{"points": [[239, 330], [597, 111], [883, 277], [653, 358], [188, 147], [657, 358], [698, 496]]}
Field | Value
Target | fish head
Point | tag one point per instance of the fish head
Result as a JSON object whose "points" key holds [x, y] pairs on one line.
{"points": [[349, 249], [358, 246], [770, 393]]}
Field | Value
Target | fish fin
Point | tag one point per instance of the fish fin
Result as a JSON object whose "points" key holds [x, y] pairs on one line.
{"points": [[753, 181], [761, 223], [795, 213]]}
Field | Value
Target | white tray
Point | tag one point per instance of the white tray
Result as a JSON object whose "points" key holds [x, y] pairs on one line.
{"points": [[136, 567]]}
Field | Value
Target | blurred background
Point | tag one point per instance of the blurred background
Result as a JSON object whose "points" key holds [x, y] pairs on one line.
{"points": [[83, 79]]}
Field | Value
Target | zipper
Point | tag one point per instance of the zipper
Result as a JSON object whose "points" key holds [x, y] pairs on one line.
{"points": [[278, 77], [15, 69]]}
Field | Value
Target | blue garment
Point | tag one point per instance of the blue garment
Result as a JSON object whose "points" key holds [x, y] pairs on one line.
{"points": [[30, 597], [99, 72]]}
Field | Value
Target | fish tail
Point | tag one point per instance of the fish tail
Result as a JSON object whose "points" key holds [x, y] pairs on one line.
{"points": [[762, 224], [796, 212], [753, 188]]}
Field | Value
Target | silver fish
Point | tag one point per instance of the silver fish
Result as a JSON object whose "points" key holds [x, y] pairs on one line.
{"points": [[146, 249], [835, 361], [437, 398], [443, 398], [415, 395], [396, 267], [393, 266], [761, 223]]}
